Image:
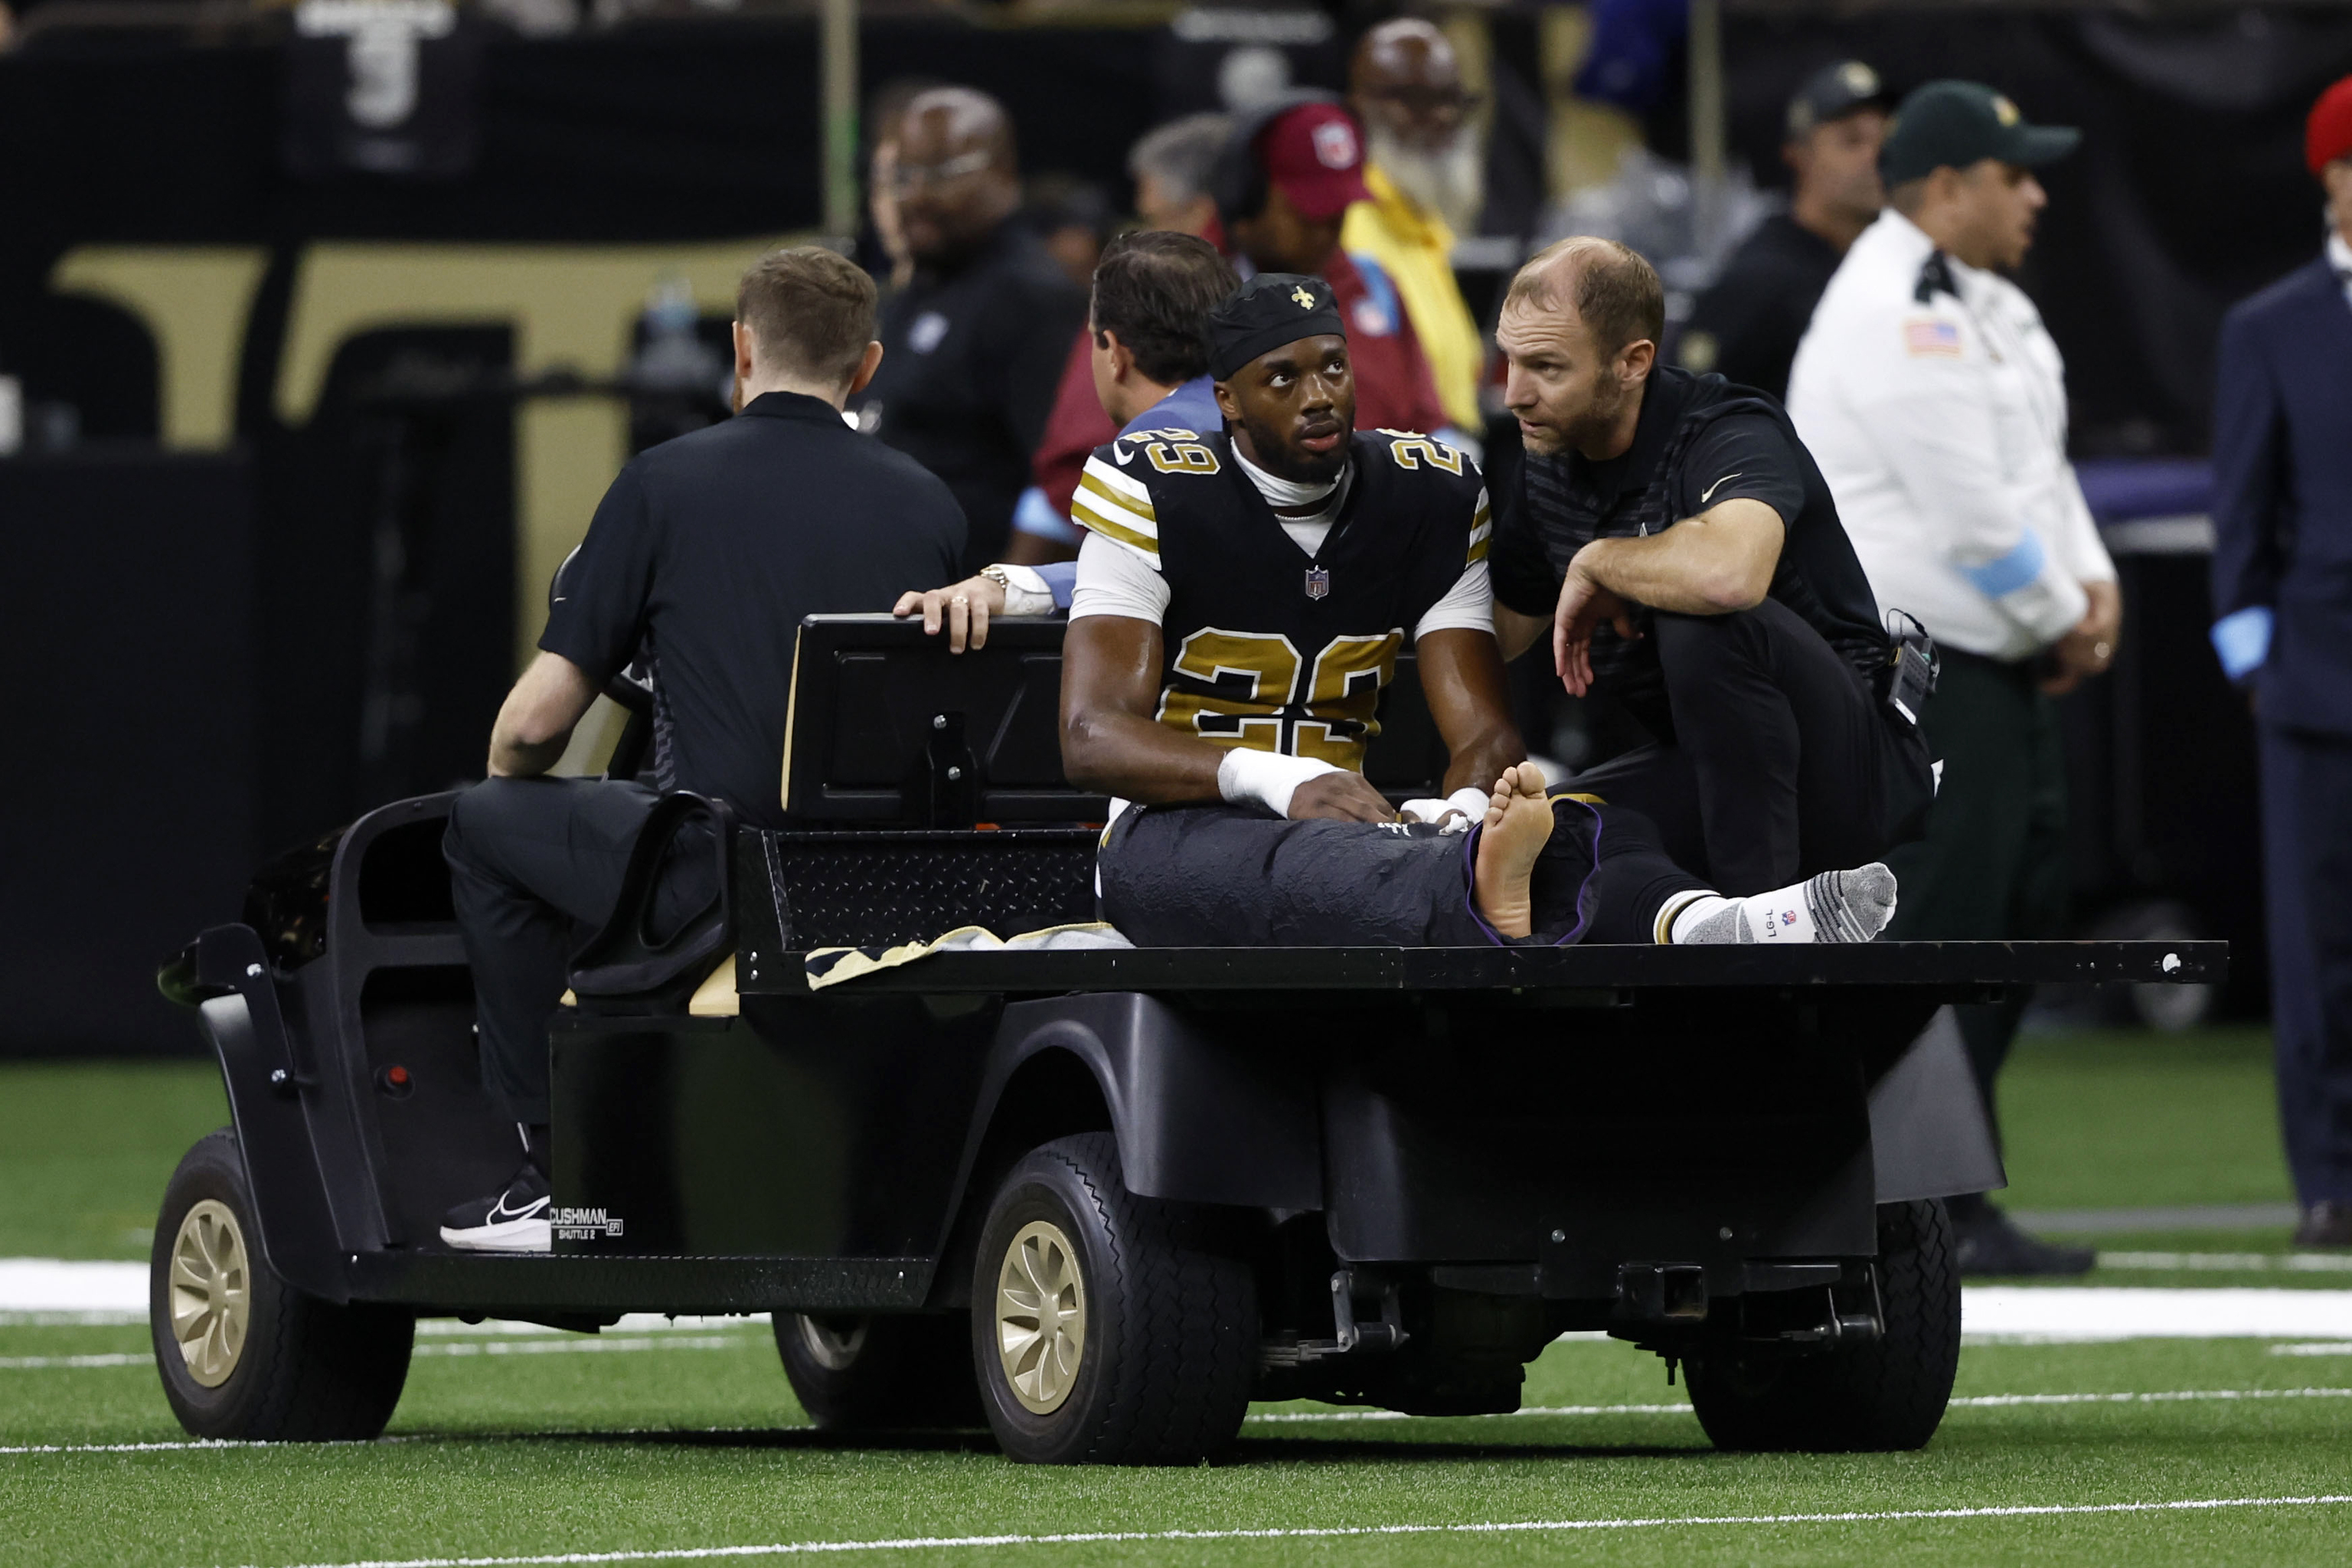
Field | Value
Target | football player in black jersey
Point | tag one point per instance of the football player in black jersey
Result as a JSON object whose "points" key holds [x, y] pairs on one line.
{"points": [[1241, 599]]}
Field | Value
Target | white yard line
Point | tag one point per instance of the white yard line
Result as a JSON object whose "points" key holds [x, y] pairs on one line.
{"points": [[54, 1285], [2077, 1313], [1325, 1532], [2229, 1262], [1976, 1402]]}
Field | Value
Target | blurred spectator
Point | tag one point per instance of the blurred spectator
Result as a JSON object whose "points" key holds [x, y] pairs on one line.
{"points": [[1170, 166], [2282, 591], [974, 345], [1935, 402], [1424, 170], [1284, 183], [1071, 218], [1749, 324], [884, 251]]}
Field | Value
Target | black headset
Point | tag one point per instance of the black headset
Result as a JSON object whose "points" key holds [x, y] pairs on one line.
{"points": [[1236, 180]]}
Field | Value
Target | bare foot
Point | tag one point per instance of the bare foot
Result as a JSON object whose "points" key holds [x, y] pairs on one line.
{"points": [[1518, 825]]}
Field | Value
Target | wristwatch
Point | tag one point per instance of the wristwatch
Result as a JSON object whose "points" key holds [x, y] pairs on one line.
{"points": [[1020, 598]]}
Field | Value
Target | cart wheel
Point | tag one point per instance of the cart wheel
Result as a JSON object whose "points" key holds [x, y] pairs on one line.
{"points": [[243, 1355], [1106, 1329], [1871, 1395], [870, 1374]]}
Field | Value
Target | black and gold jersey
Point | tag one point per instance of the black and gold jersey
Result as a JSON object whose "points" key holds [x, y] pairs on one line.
{"points": [[1265, 645]]}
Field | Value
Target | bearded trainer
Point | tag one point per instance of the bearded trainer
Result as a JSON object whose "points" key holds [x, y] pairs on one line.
{"points": [[1240, 600]]}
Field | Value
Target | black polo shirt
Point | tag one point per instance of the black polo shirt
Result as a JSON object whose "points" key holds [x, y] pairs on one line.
{"points": [[1699, 442], [1746, 327], [708, 551], [971, 360]]}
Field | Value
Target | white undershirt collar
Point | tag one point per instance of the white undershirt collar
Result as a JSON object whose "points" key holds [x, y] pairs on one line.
{"points": [[1307, 530]]}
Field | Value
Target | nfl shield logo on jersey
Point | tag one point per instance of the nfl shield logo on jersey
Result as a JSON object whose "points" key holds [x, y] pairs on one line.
{"points": [[1318, 583]]}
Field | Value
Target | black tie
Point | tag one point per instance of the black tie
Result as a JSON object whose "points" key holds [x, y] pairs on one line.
{"points": [[1935, 277]]}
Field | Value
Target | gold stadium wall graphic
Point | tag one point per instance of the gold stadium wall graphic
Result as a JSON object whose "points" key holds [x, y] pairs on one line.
{"points": [[569, 307]]}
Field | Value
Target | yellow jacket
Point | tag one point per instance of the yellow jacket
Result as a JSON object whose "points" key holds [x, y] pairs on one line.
{"points": [[1415, 248]]}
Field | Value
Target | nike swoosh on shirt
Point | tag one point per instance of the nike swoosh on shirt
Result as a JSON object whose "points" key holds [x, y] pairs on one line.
{"points": [[1715, 487], [1121, 454]]}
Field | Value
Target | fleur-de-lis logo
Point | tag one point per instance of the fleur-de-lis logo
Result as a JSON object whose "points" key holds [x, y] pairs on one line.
{"points": [[1306, 299]]}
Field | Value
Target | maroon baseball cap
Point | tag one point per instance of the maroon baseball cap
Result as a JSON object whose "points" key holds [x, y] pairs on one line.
{"points": [[2327, 135], [1316, 154]]}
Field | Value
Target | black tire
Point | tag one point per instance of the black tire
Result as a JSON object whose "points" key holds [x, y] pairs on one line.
{"points": [[302, 1369], [875, 1374], [1168, 1340], [1866, 1396]]}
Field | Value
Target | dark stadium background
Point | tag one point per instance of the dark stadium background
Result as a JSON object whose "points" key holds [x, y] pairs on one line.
{"points": [[192, 637]]}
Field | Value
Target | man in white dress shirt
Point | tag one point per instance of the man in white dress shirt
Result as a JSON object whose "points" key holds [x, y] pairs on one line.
{"points": [[1935, 402]]}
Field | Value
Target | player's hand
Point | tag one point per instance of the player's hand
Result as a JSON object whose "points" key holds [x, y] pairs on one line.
{"points": [[963, 608], [1343, 796], [1584, 605]]}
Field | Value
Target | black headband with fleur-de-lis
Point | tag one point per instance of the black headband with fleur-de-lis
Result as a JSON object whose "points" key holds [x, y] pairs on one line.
{"points": [[1269, 311]]}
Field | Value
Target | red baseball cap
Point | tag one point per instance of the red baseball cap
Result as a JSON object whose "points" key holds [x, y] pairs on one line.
{"points": [[2328, 134], [1316, 154]]}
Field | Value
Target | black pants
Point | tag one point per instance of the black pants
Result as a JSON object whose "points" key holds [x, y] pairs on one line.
{"points": [[1784, 764], [535, 867], [1227, 876], [1992, 865], [2307, 878]]}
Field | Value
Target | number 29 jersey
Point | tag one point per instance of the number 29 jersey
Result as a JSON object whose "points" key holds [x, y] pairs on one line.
{"points": [[1265, 645]]}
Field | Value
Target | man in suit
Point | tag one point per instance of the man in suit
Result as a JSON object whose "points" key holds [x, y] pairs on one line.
{"points": [[2282, 599]]}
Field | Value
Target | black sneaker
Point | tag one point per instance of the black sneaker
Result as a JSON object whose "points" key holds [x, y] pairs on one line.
{"points": [[513, 1220], [2327, 1223], [1989, 1244]]}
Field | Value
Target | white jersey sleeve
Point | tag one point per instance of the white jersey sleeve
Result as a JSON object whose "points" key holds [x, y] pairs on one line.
{"points": [[1115, 505], [1469, 605], [1118, 579]]}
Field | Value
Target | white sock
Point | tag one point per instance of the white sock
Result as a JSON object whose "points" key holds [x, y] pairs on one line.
{"points": [[1836, 906]]}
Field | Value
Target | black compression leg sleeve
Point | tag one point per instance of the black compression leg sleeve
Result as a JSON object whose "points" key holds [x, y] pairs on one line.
{"points": [[1636, 878]]}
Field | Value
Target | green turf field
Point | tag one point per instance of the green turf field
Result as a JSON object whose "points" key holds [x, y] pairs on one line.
{"points": [[685, 1443]]}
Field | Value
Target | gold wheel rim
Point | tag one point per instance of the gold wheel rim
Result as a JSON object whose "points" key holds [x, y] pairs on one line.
{"points": [[211, 1291], [1041, 1317]]}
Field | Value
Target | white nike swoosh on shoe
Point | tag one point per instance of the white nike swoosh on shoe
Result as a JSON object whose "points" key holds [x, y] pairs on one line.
{"points": [[499, 1213], [1715, 487]]}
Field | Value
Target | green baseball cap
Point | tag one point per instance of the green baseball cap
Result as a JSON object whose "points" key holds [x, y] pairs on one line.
{"points": [[1955, 123]]}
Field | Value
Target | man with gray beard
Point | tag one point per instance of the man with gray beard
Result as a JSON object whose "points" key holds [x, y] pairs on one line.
{"points": [[1422, 166]]}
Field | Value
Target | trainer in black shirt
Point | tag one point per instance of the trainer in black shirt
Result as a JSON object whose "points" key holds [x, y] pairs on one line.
{"points": [[701, 561], [1746, 327], [1677, 541], [978, 340]]}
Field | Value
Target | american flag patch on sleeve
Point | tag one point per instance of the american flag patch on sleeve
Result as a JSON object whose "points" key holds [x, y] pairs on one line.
{"points": [[1925, 335]]}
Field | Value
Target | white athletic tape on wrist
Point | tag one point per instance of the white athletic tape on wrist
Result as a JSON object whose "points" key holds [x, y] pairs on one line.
{"points": [[1267, 777]]}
